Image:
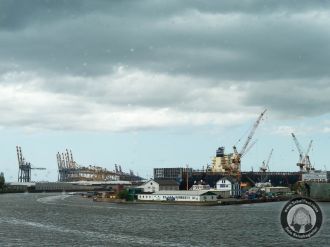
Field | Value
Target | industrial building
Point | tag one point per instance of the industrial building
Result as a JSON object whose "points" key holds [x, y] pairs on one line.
{"points": [[225, 187], [180, 196], [171, 173], [200, 185], [149, 186], [230, 185], [158, 185], [167, 184]]}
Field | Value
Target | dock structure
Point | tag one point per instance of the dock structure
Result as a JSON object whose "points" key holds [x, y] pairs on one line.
{"points": [[70, 171]]}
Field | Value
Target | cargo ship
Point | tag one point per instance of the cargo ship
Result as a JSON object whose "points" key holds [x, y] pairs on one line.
{"points": [[315, 184]]}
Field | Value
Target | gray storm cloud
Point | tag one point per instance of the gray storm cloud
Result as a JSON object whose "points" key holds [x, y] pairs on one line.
{"points": [[116, 60]]}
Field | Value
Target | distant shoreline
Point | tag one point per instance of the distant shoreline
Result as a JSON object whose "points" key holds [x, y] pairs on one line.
{"points": [[223, 202]]}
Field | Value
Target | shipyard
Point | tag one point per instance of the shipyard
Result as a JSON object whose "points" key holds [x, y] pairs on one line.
{"points": [[221, 183], [164, 123]]}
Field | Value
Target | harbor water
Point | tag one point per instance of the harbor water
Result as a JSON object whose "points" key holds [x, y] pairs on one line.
{"points": [[65, 220]]}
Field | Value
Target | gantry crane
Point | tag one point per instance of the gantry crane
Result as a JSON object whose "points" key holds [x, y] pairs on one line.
{"points": [[69, 170], [24, 171], [304, 161]]}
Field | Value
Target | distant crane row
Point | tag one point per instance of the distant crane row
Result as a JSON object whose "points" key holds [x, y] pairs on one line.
{"points": [[70, 171]]}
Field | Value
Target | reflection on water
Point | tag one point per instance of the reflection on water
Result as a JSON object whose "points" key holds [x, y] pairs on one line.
{"points": [[64, 220]]}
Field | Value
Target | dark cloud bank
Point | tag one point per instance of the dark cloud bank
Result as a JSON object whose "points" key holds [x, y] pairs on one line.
{"points": [[185, 56]]}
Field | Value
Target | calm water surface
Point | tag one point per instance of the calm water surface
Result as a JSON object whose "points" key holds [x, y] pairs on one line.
{"points": [[63, 220]]}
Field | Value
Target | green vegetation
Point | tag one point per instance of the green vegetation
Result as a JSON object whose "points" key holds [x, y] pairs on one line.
{"points": [[300, 188], [2, 181], [123, 195]]}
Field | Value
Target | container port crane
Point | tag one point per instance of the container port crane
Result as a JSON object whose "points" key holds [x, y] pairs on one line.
{"points": [[24, 171], [304, 161], [70, 171]]}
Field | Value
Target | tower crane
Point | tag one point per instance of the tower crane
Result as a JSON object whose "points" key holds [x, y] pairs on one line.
{"points": [[304, 161], [236, 160], [249, 147], [265, 164], [299, 148], [265, 168]]}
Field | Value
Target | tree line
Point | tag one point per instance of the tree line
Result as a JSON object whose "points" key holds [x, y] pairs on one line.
{"points": [[2, 181]]}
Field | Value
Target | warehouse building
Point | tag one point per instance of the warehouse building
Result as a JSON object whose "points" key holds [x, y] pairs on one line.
{"points": [[158, 185], [149, 186], [180, 195], [229, 185]]}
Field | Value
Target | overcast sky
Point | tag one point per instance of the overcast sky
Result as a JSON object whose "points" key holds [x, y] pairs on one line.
{"points": [[161, 83]]}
